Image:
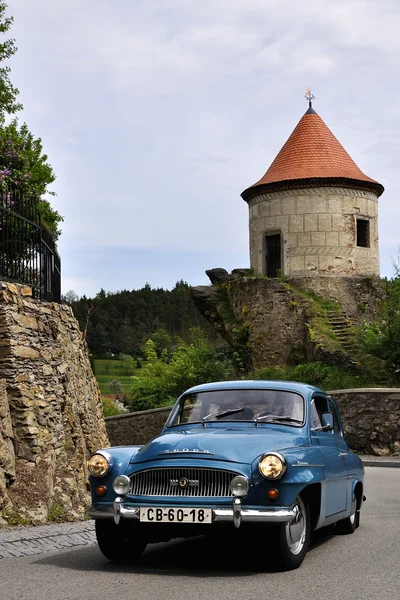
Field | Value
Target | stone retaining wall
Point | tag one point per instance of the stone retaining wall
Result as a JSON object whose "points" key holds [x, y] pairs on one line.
{"points": [[371, 421], [137, 427], [51, 416]]}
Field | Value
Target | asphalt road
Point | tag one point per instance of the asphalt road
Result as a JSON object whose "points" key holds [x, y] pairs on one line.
{"points": [[362, 566]]}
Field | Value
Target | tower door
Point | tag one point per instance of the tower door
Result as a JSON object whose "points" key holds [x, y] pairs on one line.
{"points": [[273, 255]]}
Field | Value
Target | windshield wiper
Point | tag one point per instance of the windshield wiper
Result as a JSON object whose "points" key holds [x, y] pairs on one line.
{"points": [[224, 413], [277, 418]]}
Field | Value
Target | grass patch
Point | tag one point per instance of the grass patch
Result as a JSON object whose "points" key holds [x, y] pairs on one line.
{"points": [[319, 329], [13, 518], [110, 408], [116, 368], [104, 381], [107, 370], [57, 514]]}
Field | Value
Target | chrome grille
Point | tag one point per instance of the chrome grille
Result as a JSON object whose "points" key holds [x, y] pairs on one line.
{"points": [[165, 482]]}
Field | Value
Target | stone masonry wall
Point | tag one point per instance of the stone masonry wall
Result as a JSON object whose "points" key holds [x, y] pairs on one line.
{"points": [[370, 417], [51, 416], [137, 427], [318, 230]]}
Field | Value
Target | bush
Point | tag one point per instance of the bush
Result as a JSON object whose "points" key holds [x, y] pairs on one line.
{"points": [[127, 364], [190, 364], [115, 387], [381, 338], [318, 374], [110, 407]]}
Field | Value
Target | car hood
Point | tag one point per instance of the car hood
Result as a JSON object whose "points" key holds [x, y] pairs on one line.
{"points": [[227, 443]]}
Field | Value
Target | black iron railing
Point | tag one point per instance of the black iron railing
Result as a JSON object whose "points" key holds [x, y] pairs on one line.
{"points": [[27, 250]]}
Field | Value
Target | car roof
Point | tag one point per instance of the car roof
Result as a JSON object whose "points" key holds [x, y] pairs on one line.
{"points": [[256, 384]]}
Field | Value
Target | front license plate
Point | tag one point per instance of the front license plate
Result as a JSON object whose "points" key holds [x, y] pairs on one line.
{"points": [[175, 515]]}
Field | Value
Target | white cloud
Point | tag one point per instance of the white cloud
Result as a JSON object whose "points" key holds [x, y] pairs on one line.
{"points": [[157, 115]]}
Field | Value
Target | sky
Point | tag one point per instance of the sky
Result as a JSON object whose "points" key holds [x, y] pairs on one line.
{"points": [[157, 114]]}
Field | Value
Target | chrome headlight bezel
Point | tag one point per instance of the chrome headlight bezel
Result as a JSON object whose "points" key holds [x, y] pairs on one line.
{"points": [[275, 455], [107, 468]]}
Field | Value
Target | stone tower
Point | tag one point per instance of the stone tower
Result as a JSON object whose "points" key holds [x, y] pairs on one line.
{"points": [[314, 212]]}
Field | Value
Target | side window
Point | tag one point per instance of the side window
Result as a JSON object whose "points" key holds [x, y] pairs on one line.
{"points": [[332, 409], [317, 408], [314, 417]]}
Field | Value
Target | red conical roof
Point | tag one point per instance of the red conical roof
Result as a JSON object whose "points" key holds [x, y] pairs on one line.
{"points": [[312, 153]]}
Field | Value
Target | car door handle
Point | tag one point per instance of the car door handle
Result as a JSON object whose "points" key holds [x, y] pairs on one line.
{"points": [[343, 454]]}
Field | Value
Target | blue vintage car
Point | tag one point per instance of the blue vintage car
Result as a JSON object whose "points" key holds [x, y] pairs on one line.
{"points": [[236, 455]]}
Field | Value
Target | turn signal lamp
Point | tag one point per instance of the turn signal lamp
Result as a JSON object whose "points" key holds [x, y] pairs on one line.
{"points": [[272, 466], [273, 494], [101, 490]]}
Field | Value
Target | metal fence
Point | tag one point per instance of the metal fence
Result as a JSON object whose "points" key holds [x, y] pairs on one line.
{"points": [[27, 250]]}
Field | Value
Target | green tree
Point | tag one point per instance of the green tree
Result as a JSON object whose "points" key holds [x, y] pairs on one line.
{"points": [[8, 93], [381, 337], [150, 351], [162, 340], [161, 383], [128, 363], [138, 314], [23, 166], [25, 169]]}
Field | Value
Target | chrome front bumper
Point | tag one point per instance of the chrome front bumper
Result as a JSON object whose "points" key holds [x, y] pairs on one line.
{"points": [[237, 514]]}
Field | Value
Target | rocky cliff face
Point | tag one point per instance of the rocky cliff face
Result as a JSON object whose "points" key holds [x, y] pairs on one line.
{"points": [[50, 410]]}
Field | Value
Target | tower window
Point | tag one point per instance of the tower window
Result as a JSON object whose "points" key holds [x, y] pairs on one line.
{"points": [[362, 233]]}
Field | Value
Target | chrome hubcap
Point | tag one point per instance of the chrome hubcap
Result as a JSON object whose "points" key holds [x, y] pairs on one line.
{"points": [[353, 510], [296, 529]]}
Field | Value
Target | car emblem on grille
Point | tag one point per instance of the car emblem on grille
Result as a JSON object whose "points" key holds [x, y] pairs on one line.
{"points": [[183, 482]]}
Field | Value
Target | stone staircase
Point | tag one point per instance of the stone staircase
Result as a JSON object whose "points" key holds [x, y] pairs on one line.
{"points": [[342, 327]]}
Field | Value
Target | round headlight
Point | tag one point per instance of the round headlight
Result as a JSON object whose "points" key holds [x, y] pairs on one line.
{"points": [[99, 464], [272, 466], [121, 484], [239, 486]]}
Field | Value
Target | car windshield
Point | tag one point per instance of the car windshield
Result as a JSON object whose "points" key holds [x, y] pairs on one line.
{"points": [[259, 406]]}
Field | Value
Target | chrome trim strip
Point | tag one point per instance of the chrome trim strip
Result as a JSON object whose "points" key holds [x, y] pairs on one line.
{"points": [[306, 465], [265, 515], [185, 451], [276, 514]]}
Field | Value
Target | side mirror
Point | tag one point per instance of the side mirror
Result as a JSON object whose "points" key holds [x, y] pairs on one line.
{"points": [[327, 422]]}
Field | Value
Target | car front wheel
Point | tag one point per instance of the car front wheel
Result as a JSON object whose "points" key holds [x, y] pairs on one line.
{"points": [[294, 537], [119, 543]]}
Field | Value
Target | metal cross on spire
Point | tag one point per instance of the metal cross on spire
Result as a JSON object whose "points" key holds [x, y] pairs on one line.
{"points": [[309, 96]]}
